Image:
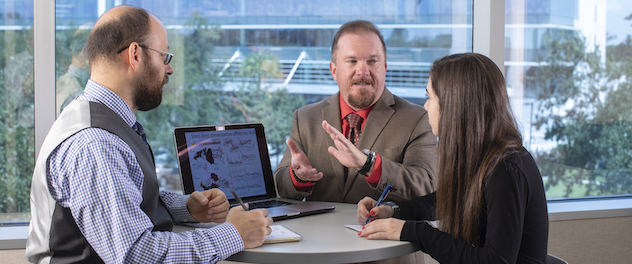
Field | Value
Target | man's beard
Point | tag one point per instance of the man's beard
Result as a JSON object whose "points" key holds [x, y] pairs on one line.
{"points": [[365, 97], [148, 93]]}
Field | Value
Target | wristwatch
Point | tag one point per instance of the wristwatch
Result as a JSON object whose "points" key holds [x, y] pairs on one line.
{"points": [[370, 159], [299, 179], [395, 208]]}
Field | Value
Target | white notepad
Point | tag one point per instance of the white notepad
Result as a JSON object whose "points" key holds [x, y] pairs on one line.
{"points": [[355, 227], [280, 234]]}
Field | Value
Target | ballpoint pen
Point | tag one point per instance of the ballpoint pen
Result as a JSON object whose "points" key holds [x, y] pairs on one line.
{"points": [[380, 200], [239, 200]]}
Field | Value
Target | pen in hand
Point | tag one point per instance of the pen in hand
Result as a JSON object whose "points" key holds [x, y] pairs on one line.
{"points": [[239, 199], [380, 200]]}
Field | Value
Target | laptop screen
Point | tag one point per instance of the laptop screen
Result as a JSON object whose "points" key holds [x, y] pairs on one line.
{"points": [[227, 157]]}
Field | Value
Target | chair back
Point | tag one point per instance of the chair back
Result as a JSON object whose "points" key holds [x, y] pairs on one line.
{"points": [[550, 259]]}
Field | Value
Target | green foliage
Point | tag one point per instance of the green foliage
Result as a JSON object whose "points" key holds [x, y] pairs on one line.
{"points": [[16, 120], [207, 100], [257, 103], [584, 106], [63, 53]]}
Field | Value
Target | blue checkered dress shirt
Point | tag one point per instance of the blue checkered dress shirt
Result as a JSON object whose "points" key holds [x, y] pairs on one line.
{"points": [[96, 175]]}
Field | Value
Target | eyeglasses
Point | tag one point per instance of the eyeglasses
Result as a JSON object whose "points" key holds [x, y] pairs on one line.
{"points": [[168, 55]]}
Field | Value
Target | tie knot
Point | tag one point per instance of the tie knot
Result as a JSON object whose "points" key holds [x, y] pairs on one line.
{"points": [[139, 130], [355, 120]]}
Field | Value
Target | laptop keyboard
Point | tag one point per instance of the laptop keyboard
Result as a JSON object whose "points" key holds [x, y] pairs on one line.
{"points": [[267, 204]]}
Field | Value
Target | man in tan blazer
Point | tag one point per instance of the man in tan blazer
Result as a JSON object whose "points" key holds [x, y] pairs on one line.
{"points": [[322, 163]]}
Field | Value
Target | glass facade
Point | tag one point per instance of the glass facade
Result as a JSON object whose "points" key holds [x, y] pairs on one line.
{"points": [[17, 116], [566, 64], [567, 76], [258, 61]]}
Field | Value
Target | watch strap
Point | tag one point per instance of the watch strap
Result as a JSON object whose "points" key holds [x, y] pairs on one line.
{"points": [[299, 179], [395, 208], [370, 159]]}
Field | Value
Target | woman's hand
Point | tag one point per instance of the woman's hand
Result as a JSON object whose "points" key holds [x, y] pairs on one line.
{"points": [[390, 229], [366, 208]]}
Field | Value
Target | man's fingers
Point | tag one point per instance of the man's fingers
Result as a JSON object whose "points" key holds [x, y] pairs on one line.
{"points": [[263, 212], [332, 151], [199, 197], [292, 145], [342, 141], [217, 200], [219, 208], [332, 131]]}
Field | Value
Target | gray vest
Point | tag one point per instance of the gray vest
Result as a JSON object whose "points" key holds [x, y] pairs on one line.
{"points": [[53, 234]]}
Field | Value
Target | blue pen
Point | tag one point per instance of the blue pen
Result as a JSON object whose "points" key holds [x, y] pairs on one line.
{"points": [[380, 200]]}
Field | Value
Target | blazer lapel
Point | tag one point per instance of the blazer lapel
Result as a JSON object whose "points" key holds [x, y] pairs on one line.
{"points": [[375, 123], [331, 113]]}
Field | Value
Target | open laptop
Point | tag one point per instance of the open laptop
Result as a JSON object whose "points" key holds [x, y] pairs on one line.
{"points": [[235, 156]]}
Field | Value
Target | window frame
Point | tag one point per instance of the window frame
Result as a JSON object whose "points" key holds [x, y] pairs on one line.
{"points": [[488, 34]]}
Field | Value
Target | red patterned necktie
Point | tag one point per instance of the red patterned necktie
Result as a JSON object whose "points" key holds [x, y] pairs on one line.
{"points": [[355, 126]]}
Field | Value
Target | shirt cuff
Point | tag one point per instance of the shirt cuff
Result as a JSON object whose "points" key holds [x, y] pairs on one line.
{"points": [[179, 211], [376, 174], [228, 239], [299, 185]]}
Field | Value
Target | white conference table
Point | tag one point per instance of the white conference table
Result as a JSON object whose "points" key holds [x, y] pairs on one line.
{"points": [[325, 239]]}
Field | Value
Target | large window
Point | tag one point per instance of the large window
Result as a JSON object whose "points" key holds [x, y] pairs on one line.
{"points": [[258, 61], [566, 64], [17, 140], [567, 67]]}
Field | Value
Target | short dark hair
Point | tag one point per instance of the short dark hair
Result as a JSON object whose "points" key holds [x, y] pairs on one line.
{"points": [[107, 38], [355, 27]]}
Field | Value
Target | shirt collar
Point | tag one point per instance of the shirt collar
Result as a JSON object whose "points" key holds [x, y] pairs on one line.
{"points": [[100, 93], [345, 109]]}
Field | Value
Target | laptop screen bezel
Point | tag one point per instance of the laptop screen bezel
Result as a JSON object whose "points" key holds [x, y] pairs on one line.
{"points": [[185, 166]]}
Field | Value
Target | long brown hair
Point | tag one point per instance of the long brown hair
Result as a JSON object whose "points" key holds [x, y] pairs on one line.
{"points": [[477, 130]]}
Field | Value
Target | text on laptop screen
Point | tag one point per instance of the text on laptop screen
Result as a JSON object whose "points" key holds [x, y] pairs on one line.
{"points": [[226, 159]]}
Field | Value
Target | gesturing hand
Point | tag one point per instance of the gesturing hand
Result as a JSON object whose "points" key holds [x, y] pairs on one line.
{"points": [[208, 206], [253, 226], [347, 154], [302, 168]]}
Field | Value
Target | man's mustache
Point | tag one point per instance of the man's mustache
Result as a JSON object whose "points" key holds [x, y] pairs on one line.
{"points": [[363, 80]]}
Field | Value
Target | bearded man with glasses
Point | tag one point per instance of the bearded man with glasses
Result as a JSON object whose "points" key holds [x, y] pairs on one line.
{"points": [[95, 197]]}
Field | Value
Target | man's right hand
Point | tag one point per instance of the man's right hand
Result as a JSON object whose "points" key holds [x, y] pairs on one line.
{"points": [[253, 226], [302, 168]]}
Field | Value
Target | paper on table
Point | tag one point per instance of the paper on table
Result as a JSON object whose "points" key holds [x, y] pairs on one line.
{"points": [[280, 234], [355, 227]]}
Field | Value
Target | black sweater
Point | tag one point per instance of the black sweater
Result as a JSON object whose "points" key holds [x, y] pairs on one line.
{"points": [[515, 222]]}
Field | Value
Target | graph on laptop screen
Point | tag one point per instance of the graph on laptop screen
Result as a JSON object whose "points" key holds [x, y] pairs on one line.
{"points": [[226, 159]]}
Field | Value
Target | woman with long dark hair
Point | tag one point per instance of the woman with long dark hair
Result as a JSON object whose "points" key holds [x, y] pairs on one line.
{"points": [[490, 199]]}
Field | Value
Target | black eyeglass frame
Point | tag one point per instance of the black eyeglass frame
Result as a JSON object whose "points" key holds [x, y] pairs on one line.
{"points": [[168, 56]]}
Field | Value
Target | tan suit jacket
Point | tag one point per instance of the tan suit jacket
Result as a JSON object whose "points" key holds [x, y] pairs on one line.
{"points": [[395, 129]]}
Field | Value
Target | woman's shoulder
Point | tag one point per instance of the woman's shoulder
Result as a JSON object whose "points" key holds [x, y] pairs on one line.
{"points": [[520, 158], [517, 166]]}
